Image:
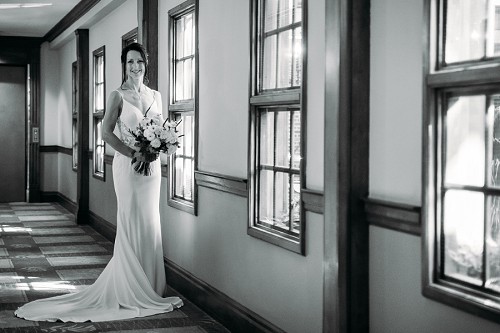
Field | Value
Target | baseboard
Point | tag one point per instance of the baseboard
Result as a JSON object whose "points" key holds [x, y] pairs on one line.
{"points": [[222, 308], [102, 226], [53, 196]]}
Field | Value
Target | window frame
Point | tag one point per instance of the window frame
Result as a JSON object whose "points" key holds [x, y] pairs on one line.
{"points": [[463, 78], [294, 96], [130, 37], [74, 115], [183, 107], [98, 115]]}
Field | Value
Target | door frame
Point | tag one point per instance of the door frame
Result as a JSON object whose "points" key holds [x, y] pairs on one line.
{"points": [[25, 51]]}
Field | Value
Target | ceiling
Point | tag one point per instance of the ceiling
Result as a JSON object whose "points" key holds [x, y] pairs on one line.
{"points": [[32, 18]]}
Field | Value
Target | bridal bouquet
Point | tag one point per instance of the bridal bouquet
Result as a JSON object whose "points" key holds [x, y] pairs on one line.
{"points": [[153, 137]]}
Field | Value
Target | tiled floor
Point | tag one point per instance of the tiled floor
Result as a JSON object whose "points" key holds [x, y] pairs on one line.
{"points": [[44, 253]]}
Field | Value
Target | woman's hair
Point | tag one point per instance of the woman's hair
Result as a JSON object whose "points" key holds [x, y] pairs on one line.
{"points": [[134, 47]]}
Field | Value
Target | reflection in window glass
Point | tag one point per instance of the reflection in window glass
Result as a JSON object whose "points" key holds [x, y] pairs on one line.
{"points": [[465, 141], [184, 160]]}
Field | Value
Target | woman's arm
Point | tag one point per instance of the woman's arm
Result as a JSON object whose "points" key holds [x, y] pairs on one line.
{"points": [[113, 109]]}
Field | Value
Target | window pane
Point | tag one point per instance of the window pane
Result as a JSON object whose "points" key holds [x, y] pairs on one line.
{"points": [[269, 66], [296, 153], [494, 178], [286, 12], [281, 200], [99, 97], [188, 35], [494, 41], [179, 84], [100, 69], [184, 160], [266, 207], [98, 146], [297, 57], [267, 138], [296, 203], [465, 140], [285, 59], [282, 140], [493, 244], [463, 235], [271, 15], [188, 78], [179, 34], [465, 30], [298, 11]]}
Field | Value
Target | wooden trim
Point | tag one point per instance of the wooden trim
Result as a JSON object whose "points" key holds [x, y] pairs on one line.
{"points": [[395, 216], [76, 13], [223, 183], [102, 226], [53, 196], [345, 294], [222, 308], [129, 36], [149, 38], [83, 69], [288, 97], [56, 149], [314, 201]]}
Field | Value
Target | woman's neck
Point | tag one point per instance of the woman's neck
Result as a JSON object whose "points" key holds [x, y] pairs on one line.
{"points": [[135, 85]]}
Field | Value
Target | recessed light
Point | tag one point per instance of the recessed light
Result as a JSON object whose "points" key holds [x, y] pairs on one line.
{"points": [[24, 5]]}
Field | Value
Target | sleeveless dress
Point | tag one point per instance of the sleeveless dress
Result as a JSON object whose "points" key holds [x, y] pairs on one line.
{"points": [[132, 283]]}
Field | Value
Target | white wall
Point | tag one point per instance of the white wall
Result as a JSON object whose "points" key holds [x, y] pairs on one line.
{"points": [[283, 287], [396, 302], [108, 32]]}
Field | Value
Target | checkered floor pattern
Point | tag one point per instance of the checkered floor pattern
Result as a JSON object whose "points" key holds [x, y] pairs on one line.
{"points": [[44, 253]]}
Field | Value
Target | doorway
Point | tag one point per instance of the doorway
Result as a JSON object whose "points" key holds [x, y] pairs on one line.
{"points": [[12, 133]]}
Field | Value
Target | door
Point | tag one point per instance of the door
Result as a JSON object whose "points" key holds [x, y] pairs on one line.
{"points": [[12, 133]]}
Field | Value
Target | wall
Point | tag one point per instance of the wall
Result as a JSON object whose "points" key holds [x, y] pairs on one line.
{"points": [[108, 32], [396, 302], [283, 287]]}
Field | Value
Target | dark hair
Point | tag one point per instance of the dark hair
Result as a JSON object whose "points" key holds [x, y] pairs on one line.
{"points": [[134, 47]]}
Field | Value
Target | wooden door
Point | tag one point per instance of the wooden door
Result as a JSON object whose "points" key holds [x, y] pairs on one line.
{"points": [[12, 133]]}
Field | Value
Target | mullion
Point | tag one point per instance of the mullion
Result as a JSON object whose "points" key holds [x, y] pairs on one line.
{"points": [[277, 44], [275, 172], [290, 177], [282, 29]]}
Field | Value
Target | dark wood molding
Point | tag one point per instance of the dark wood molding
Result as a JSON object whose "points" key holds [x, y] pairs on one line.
{"points": [[395, 216], [222, 308], [102, 226], [76, 13], [150, 38], [346, 282], [314, 201], [53, 196], [56, 149], [83, 73], [221, 182]]}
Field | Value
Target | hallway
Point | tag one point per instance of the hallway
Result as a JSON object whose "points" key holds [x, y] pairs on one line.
{"points": [[44, 253]]}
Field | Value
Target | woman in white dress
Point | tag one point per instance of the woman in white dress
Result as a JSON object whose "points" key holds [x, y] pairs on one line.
{"points": [[133, 282]]}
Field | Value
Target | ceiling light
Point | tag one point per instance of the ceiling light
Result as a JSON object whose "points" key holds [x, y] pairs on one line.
{"points": [[24, 5]]}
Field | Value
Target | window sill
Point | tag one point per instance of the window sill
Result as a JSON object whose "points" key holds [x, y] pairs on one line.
{"points": [[277, 239]]}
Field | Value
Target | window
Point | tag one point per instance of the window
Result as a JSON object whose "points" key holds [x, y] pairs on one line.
{"points": [[74, 114], [183, 104], [98, 112], [277, 123], [129, 38], [462, 157]]}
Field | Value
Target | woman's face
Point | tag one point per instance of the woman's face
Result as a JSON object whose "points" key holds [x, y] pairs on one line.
{"points": [[136, 66]]}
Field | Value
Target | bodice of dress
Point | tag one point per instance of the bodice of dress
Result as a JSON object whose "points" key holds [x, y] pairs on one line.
{"points": [[129, 119]]}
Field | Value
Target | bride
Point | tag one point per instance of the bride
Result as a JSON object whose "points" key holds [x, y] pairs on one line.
{"points": [[133, 282]]}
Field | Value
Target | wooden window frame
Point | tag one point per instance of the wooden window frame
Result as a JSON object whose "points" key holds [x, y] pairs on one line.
{"points": [[465, 77], [74, 115], [98, 115], [130, 37], [183, 107], [287, 97]]}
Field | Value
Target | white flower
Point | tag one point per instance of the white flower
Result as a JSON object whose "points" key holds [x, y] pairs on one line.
{"points": [[171, 149], [145, 121], [156, 143], [149, 134]]}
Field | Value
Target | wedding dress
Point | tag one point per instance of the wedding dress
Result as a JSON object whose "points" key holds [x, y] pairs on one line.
{"points": [[131, 284]]}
